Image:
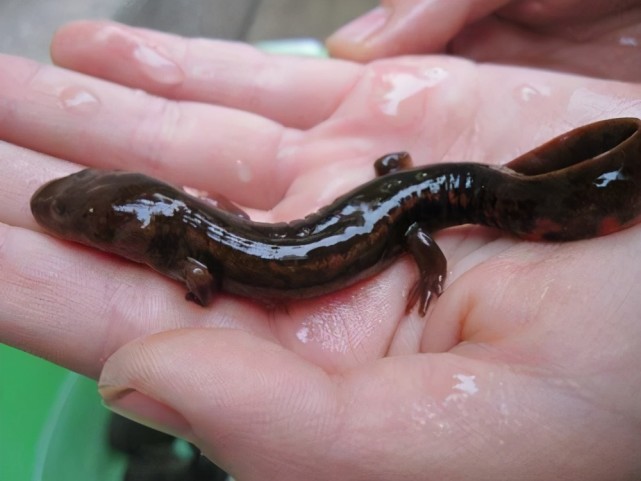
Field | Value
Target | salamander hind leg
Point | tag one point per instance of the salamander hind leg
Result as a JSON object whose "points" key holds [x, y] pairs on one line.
{"points": [[200, 282], [432, 267], [391, 163]]}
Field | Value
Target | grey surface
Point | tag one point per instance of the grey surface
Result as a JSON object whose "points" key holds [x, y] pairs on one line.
{"points": [[192, 18], [26, 26]]}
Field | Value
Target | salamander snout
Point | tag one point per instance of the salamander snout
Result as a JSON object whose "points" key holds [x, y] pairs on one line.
{"points": [[56, 206]]}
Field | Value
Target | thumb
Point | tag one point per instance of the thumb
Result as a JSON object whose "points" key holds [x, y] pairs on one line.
{"points": [[261, 412], [400, 27], [242, 400]]}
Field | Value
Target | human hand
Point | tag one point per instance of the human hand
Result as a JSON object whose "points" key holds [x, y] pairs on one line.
{"points": [[525, 368], [589, 37]]}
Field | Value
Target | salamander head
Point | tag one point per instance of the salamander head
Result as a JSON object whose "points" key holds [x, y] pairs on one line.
{"points": [[76, 207]]}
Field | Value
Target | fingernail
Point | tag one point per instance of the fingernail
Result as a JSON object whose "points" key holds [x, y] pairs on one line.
{"points": [[364, 26], [144, 410]]}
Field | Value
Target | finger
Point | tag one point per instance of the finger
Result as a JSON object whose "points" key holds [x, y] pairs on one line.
{"points": [[532, 12], [23, 171], [296, 92], [261, 412], [75, 306], [400, 27], [93, 122]]}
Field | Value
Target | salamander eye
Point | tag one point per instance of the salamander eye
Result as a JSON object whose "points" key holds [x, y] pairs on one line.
{"points": [[59, 208]]}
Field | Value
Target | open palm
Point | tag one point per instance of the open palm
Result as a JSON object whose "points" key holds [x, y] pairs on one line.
{"points": [[525, 368]]}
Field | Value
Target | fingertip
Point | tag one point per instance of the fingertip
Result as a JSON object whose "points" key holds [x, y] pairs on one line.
{"points": [[405, 28], [354, 40], [144, 410], [221, 384], [65, 39], [201, 371], [116, 52]]}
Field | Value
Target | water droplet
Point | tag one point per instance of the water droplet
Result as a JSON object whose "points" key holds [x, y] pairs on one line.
{"points": [[79, 100], [404, 85], [627, 41], [529, 92], [244, 171], [326, 330], [153, 63], [157, 66], [303, 334], [466, 384]]}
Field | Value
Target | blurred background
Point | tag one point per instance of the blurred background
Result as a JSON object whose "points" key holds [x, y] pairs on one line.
{"points": [[26, 26], [52, 425]]}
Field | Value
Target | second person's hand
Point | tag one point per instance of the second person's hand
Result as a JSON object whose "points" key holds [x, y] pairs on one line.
{"points": [[589, 37]]}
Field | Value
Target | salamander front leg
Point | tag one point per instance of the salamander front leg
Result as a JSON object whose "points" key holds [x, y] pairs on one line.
{"points": [[432, 267], [200, 282]]}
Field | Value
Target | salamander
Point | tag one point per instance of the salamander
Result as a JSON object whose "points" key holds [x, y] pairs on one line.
{"points": [[582, 184]]}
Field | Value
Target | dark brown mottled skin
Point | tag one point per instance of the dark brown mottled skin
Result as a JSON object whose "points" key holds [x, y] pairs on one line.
{"points": [[582, 184]]}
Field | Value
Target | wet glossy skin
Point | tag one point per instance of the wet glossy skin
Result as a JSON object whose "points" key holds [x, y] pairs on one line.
{"points": [[582, 184]]}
